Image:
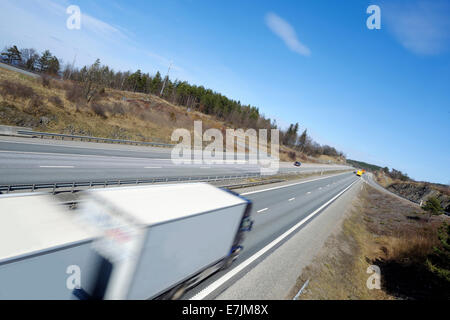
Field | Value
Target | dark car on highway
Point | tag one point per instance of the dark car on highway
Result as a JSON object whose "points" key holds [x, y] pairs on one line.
{"points": [[297, 163]]}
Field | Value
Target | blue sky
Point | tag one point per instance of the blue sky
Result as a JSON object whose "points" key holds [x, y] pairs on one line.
{"points": [[381, 96]]}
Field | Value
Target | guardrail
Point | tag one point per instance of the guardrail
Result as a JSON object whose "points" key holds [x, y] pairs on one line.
{"points": [[88, 138], [74, 186]]}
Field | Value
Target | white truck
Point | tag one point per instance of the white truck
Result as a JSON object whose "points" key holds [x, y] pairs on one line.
{"points": [[40, 245], [151, 242]]}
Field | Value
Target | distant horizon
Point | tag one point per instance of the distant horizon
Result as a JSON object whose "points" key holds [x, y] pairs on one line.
{"points": [[379, 96]]}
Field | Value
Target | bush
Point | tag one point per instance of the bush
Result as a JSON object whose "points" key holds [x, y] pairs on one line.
{"points": [[56, 101], [439, 261], [433, 206], [99, 110], [36, 107], [45, 80], [292, 155], [172, 116], [16, 90], [118, 108], [74, 93]]}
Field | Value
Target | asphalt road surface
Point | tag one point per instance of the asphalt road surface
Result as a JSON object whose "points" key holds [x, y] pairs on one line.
{"points": [[27, 161], [275, 211]]}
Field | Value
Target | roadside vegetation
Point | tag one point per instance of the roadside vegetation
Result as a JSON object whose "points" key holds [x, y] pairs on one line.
{"points": [[409, 246], [133, 105], [401, 184]]}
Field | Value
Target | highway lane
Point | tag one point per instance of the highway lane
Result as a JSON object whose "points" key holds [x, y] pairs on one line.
{"points": [[275, 211], [28, 161]]}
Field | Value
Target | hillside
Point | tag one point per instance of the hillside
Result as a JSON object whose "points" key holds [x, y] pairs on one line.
{"points": [[58, 106], [363, 165]]}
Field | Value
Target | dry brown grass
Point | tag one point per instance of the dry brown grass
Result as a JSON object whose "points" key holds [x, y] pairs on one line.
{"points": [[113, 114], [384, 231]]}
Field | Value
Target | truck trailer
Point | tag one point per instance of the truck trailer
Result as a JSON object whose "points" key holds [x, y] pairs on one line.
{"points": [[147, 242], [41, 245]]}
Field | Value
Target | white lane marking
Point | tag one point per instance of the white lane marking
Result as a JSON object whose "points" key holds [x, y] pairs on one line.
{"points": [[291, 199], [292, 184], [216, 284], [320, 188], [56, 166], [308, 192], [328, 185], [205, 167], [152, 167], [262, 210], [83, 155]]}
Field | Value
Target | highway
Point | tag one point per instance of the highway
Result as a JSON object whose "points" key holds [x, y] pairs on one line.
{"points": [[279, 210], [28, 161], [276, 212]]}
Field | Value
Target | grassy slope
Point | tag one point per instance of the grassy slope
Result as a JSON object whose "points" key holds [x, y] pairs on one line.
{"points": [[384, 231], [146, 117]]}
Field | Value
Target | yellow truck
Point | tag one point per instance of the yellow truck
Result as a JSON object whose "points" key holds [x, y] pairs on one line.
{"points": [[359, 173]]}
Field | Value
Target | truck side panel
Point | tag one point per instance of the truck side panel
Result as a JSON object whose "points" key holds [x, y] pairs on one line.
{"points": [[177, 250], [44, 275]]}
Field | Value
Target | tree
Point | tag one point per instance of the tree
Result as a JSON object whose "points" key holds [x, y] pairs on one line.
{"points": [[433, 206], [53, 66], [12, 55], [439, 261], [91, 79], [302, 140], [156, 83], [48, 63], [29, 58]]}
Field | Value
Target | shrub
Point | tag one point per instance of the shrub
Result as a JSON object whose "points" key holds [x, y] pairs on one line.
{"points": [[118, 108], [433, 206], [56, 101], [74, 93], [36, 107], [99, 110], [292, 155], [439, 261], [16, 90], [45, 80], [172, 116]]}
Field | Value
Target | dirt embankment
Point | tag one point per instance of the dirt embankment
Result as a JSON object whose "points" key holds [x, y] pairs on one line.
{"points": [[55, 106], [385, 232]]}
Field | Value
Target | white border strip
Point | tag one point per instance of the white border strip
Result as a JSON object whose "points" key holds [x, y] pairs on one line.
{"points": [[219, 282]]}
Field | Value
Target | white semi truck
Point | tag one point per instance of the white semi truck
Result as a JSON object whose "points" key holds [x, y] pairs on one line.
{"points": [[151, 242]]}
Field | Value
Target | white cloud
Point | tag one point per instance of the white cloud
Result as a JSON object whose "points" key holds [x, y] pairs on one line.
{"points": [[421, 27], [287, 33], [41, 24]]}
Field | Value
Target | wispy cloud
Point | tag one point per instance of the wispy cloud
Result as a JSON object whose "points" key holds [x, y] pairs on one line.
{"points": [[421, 27], [287, 33], [89, 22]]}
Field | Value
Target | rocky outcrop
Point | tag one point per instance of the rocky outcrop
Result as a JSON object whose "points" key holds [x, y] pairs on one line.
{"points": [[417, 192]]}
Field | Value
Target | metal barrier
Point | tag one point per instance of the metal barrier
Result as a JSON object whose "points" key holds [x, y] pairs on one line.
{"points": [[72, 186], [88, 138]]}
